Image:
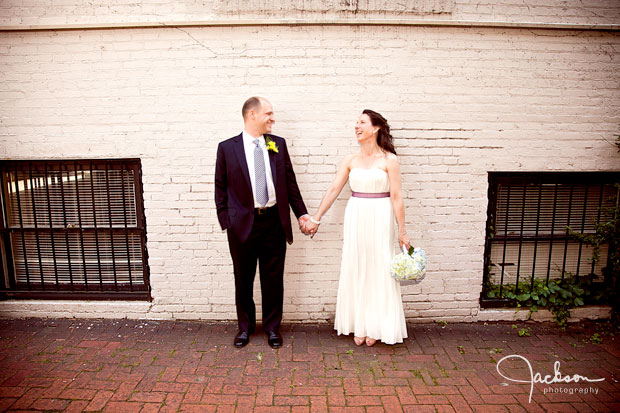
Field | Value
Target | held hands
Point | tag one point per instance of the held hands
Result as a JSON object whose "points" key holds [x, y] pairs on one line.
{"points": [[307, 226], [302, 223], [312, 227]]}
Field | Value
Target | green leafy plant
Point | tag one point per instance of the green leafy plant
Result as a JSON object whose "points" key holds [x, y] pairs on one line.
{"points": [[596, 338], [557, 295], [607, 233], [524, 332]]}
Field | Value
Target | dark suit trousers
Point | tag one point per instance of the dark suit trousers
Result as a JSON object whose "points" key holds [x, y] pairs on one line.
{"points": [[267, 245]]}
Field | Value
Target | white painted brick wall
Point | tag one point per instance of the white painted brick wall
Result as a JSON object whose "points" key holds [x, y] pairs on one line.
{"points": [[461, 102], [69, 12]]}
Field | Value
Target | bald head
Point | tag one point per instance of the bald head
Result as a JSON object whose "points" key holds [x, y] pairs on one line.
{"points": [[254, 103], [257, 116]]}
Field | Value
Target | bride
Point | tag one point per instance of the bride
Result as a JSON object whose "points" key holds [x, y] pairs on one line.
{"points": [[369, 303]]}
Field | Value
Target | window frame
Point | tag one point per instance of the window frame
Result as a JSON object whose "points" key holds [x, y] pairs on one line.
{"points": [[9, 285], [514, 179]]}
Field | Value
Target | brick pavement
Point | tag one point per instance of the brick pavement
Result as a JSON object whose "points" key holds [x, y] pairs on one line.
{"points": [[127, 365]]}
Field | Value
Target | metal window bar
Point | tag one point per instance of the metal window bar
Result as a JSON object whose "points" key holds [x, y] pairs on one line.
{"points": [[570, 206], [555, 204], [529, 234], [94, 206], [107, 187], [536, 235], [21, 227], [503, 265], [34, 217], [64, 221], [82, 226], [598, 216], [126, 226], [79, 214], [583, 225], [141, 220], [51, 222], [521, 233]]}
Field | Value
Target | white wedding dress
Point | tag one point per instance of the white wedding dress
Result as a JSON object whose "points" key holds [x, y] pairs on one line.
{"points": [[369, 302]]}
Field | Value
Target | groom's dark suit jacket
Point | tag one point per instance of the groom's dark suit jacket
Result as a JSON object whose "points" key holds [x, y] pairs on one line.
{"points": [[233, 190]]}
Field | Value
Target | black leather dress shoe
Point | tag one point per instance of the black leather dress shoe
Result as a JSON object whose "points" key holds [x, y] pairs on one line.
{"points": [[241, 339], [274, 339]]}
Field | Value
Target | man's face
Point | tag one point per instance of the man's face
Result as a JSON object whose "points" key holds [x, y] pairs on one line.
{"points": [[263, 117]]}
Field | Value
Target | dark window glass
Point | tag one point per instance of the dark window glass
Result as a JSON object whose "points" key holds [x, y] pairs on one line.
{"points": [[73, 229], [528, 217]]}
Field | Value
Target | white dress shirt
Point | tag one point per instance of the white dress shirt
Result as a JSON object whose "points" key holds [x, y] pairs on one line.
{"points": [[248, 145]]}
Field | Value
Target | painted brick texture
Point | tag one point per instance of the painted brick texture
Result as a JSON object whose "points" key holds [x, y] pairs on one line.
{"points": [[70, 12], [461, 102]]}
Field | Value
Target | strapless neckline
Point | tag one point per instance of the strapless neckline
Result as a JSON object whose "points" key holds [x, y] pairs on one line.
{"points": [[370, 169], [369, 180]]}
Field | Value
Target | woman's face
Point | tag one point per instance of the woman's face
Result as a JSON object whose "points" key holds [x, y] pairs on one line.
{"points": [[364, 129]]}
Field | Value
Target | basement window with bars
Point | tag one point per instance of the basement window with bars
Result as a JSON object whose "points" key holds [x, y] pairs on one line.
{"points": [[527, 220], [73, 230]]}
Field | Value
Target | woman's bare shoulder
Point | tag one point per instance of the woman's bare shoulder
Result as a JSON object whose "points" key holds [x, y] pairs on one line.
{"points": [[348, 159], [391, 158]]}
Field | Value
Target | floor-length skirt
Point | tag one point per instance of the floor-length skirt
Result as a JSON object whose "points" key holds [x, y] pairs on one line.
{"points": [[369, 300]]}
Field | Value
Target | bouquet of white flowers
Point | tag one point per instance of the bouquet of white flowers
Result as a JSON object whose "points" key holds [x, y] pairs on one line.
{"points": [[409, 266]]}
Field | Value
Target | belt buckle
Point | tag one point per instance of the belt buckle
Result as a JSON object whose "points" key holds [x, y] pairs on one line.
{"points": [[262, 211]]}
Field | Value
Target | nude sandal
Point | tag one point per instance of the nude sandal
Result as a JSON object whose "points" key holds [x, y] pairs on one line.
{"points": [[359, 340]]}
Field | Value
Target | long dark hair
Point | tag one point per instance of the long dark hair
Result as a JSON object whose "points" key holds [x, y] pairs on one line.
{"points": [[384, 137]]}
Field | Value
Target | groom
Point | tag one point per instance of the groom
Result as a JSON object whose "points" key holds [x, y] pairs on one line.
{"points": [[254, 186]]}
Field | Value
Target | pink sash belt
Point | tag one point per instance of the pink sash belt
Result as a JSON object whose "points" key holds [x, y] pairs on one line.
{"points": [[370, 194]]}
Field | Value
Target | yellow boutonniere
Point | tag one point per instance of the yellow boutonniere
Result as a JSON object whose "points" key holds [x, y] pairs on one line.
{"points": [[271, 145]]}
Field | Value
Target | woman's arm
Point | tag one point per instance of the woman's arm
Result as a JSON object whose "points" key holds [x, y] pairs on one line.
{"points": [[332, 192], [393, 169]]}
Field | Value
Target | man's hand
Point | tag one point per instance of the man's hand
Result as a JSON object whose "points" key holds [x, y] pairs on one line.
{"points": [[303, 220]]}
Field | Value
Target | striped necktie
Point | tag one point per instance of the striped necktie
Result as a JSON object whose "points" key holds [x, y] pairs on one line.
{"points": [[259, 173]]}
